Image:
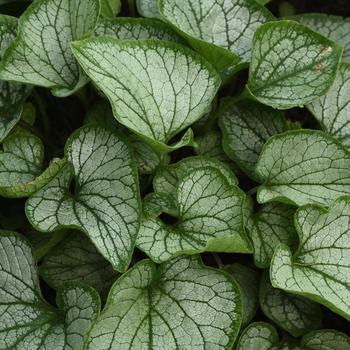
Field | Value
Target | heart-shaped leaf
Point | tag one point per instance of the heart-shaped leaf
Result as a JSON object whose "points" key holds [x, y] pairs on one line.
{"points": [[210, 218], [221, 30], [246, 126], [302, 167], [178, 305], [336, 28], [333, 109], [105, 203], [27, 321], [320, 269], [293, 313], [136, 28], [40, 55], [247, 280], [77, 259], [156, 100], [291, 65], [271, 225], [21, 166], [12, 95]]}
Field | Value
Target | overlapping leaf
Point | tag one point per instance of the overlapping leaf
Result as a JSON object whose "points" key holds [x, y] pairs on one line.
{"points": [[210, 218], [303, 166], [178, 305], [12, 95], [320, 269], [105, 202], [156, 88], [21, 166], [333, 109], [291, 65], [40, 55], [27, 321]]}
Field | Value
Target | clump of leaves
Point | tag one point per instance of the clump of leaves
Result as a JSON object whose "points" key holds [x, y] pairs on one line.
{"points": [[173, 175]]}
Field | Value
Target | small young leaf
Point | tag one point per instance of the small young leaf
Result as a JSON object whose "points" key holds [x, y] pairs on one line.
{"points": [[247, 280], [320, 269], [291, 65], [40, 55], [29, 322], [302, 167], [333, 109], [166, 178], [246, 126], [325, 339], [105, 204], [156, 88], [76, 259], [336, 28], [258, 336], [136, 28], [178, 305], [293, 313], [110, 8], [217, 28], [148, 8], [273, 224], [12, 95], [210, 219], [21, 166]]}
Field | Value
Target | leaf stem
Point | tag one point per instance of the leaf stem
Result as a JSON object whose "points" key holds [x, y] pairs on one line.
{"points": [[218, 260]]}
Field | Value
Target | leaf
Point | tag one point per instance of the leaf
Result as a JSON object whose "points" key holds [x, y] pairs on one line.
{"points": [[156, 100], [246, 126], [148, 8], [110, 8], [154, 204], [320, 268], [325, 339], [332, 110], [179, 305], [258, 336], [221, 30], [76, 259], [136, 28], [303, 166], [21, 164], [293, 313], [247, 280], [27, 320], [291, 65], [166, 178], [271, 225], [40, 55], [210, 218], [12, 95], [105, 202], [336, 28]]}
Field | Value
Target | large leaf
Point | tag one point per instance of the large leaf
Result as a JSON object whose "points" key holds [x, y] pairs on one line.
{"points": [[302, 167], [222, 30], [27, 321], [210, 218], [178, 305], [293, 313], [333, 109], [136, 28], [105, 202], [320, 269], [271, 225], [246, 126], [291, 65], [336, 28], [76, 259], [12, 95], [40, 55], [247, 280], [21, 166], [156, 100]]}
